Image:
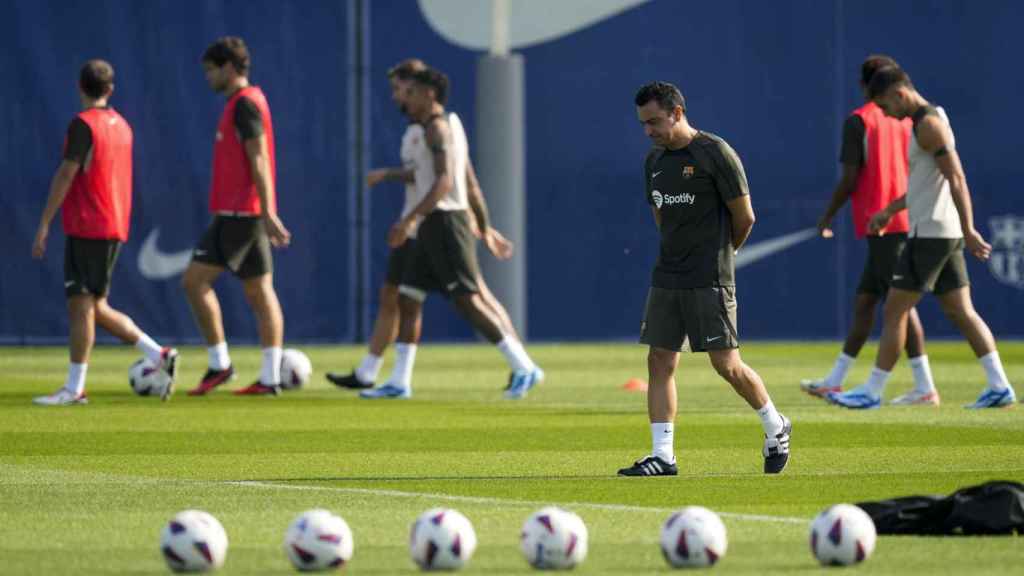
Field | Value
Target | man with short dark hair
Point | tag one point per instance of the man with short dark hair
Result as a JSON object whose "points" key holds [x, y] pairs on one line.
{"points": [[938, 204], [698, 194], [93, 189], [243, 200], [444, 256], [385, 327], [874, 159]]}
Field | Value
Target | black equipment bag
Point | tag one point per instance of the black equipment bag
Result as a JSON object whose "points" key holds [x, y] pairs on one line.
{"points": [[991, 508]]}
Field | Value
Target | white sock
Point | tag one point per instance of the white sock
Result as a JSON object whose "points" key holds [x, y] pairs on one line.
{"points": [[405, 358], [923, 381], [270, 371], [876, 381], [76, 378], [369, 368], [218, 355], [994, 371], [149, 348], [771, 421], [662, 434], [515, 354], [839, 370]]}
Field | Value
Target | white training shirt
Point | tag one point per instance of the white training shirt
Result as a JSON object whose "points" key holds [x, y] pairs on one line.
{"points": [[930, 204], [423, 165]]}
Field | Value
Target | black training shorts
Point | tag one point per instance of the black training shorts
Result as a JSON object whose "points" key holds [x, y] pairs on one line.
{"points": [[695, 319], [883, 256], [934, 265], [444, 257], [238, 243], [89, 265]]}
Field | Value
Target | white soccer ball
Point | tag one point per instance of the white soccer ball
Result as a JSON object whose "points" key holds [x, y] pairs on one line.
{"points": [[694, 537], [442, 539], [554, 538], [842, 534], [194, 541], [147, 379], [295, 369], [318, 540]]}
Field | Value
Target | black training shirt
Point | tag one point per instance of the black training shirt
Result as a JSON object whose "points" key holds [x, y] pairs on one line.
{"points": [[690, 187]]}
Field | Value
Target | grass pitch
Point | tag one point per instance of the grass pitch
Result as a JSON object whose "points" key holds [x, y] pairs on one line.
{"points": [[87, 489]]}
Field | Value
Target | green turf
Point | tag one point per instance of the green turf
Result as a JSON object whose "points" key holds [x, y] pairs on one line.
{"points": [[87, 489]]}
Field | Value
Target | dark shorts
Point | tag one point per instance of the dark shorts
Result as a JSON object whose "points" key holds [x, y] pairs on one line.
{"points": [[883, 255], [444, 257], [89, 265], [398, 261], [932, 265], [694, 319], [238, 243]]}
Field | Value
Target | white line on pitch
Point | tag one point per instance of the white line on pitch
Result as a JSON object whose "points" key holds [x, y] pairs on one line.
{"points": [[505, 502]]}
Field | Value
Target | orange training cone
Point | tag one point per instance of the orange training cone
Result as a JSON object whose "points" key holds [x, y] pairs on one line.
{"points": [[635, 385]]}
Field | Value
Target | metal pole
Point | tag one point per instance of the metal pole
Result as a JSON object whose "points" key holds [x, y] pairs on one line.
{"points": [[501, 159], [358, 162]]}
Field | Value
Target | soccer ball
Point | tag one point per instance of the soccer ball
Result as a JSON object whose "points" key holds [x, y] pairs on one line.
{"points": [[693, 537], [295, 369], [194, 541], [147, 379], [553, 538], [842, 534], [318, 540], [442, 539]]}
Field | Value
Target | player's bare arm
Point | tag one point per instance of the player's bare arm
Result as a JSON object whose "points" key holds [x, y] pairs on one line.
{"points": [[844, 188], [881, 219], [436, 135], [933, 135], [657, 217], [742, 213], [393, 174], [59, 187], [256, 150], [495, 241]]}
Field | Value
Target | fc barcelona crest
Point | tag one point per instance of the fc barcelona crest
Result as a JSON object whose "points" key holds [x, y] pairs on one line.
{"points": [[1007, 261], [687, 172]]}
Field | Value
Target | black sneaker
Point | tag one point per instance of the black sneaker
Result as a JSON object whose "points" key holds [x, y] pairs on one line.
{"points": [[350, 381], [650, 466], [776, 449]]}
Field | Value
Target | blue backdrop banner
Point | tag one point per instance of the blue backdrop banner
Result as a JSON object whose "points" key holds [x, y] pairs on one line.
{"points": [[776, 80]]}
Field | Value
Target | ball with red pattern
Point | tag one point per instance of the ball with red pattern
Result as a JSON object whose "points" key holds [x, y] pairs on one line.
{"points": [[441, 539], [295, 369], [693, 537], [554, 539], [318, 540], [147, 379], [193, 541], [842, 535]]}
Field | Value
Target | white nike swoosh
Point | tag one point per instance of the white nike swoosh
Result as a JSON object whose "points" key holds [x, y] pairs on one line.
{"points": [[655, 175], [759, 250], [157, 265], [69, 283], [467, 23], [710, 339]]}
